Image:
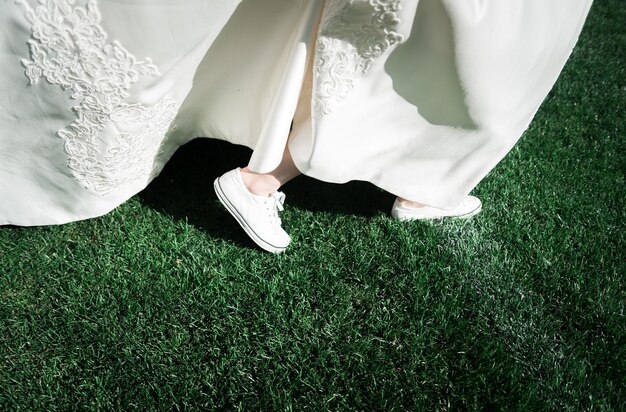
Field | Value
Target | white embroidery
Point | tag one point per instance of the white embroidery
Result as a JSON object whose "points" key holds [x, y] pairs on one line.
{"points": [[68, 48], [353, 33]]}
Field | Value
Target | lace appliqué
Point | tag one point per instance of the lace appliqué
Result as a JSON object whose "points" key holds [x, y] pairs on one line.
{"points": [[69, 48], [353, 33]]}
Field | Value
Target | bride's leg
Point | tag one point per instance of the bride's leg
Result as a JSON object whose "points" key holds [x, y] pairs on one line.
{"points": [[253, 198], [263, 184], [409, 203]]}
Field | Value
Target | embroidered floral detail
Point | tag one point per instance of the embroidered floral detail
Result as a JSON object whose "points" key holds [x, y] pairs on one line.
{"points": [[112, 142], [353, 33]]}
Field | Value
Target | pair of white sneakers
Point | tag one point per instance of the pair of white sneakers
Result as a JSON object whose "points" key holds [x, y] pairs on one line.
{"points": [[258, 215]]}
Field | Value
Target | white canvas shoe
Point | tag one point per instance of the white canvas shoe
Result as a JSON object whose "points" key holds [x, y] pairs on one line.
{"points": [[468, 207], [257, 215]]}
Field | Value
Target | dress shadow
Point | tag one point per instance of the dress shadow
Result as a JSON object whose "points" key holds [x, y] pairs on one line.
{"points": [[424, 69], [184, 190]]}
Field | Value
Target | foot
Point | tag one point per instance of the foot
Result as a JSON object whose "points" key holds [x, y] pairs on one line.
{"points": [[257, 215], [468, 207]]}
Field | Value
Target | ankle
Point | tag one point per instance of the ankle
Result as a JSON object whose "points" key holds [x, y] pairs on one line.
{"points": [[259, 184], [409, 203]]}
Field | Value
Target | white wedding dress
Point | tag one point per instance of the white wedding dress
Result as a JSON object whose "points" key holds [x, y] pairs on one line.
{"points": [[422, 98]]}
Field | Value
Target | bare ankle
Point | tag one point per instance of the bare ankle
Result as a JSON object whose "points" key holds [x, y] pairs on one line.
{"points": [[409, 203], [260, 184]]}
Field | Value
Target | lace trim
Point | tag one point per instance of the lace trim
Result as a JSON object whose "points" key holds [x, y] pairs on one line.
{"points": [[353, 33], [69, 48]]}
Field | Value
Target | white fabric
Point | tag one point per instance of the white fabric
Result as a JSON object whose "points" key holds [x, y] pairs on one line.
{"points": [[420, 98]]}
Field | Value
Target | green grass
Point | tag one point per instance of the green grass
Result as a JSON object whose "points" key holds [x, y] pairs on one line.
{"points": [[164, 303]]}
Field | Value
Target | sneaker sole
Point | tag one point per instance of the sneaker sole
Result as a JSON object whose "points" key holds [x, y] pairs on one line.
{"points": [[251, 233]]}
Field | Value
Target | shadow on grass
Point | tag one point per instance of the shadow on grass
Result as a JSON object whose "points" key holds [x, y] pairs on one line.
{"points": [[184, 190]]}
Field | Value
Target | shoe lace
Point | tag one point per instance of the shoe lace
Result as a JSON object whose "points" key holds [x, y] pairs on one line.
{"points": [[274, 205]]}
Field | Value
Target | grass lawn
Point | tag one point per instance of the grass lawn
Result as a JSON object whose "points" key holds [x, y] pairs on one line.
{"points": [[165, 304]]}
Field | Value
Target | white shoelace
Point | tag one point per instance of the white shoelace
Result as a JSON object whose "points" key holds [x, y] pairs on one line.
{"points": [[274, 205]]}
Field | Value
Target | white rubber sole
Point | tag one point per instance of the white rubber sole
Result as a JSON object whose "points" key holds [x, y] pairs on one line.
{"points": [[242, 222]]}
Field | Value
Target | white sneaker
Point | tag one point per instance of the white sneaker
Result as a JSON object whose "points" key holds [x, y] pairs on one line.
{"points": [[468, 207], [257, 215]]}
